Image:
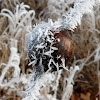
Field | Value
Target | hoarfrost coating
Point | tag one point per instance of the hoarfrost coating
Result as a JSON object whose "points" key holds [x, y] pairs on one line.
{"points": [[74, 18], [37, 41]]}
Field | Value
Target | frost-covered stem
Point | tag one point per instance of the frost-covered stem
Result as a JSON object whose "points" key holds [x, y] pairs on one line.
{"points": [[74, 18], [57, 82], [14, 61], [84, 63], [37, 72], [87, 59], [34, 93], [97, 57], [69, 88]]}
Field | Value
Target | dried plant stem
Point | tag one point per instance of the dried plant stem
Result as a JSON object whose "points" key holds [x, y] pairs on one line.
{"points": [[14, 61], [57, 82], [67, 93]]}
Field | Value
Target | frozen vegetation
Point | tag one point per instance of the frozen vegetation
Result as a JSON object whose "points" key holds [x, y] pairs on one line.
{"points": [[26, 36]]}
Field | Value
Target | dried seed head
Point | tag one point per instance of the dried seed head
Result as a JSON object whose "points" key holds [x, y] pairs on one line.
{"points": [[46, 48], [64, 44]]}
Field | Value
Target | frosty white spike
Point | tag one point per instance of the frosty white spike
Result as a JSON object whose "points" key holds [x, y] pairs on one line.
{"points": [[74, 18]]}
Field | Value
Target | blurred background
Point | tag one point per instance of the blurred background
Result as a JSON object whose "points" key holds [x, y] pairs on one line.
{"points": [[16, 22]]}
